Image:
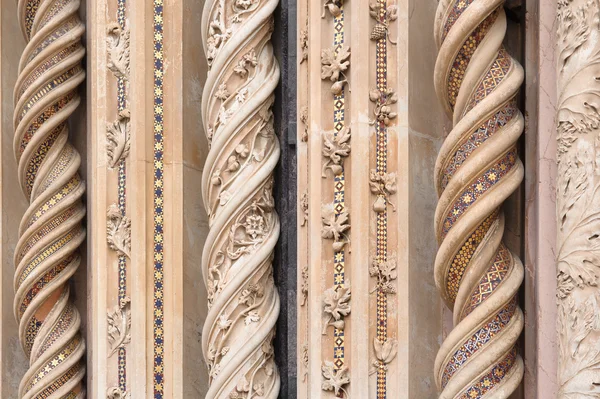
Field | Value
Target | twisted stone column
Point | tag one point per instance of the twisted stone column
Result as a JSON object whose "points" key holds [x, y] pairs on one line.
{"points": [[51, 230], [477, 169], [237, 191]]}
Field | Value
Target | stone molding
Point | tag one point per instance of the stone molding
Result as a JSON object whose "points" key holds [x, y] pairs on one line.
{"points": [[477, 169], [47, 253], [237, 189], [577, 199]]}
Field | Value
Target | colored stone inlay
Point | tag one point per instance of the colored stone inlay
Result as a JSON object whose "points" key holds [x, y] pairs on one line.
{"points": [[49, 251], [464, 255], [458, 8], [30, 333], [43, 91], [44, 67], [56, 7], [492, 78], [31, 8], [52, 363], [40, 155], [67, 189], [479, 339], [43, 232], [478, 137], [43, 117], [158, 326], [492, 378], [59, 382], [457, 73], [42, 282], [479, 187], [65, 28], [63, 324], [492, 279]]}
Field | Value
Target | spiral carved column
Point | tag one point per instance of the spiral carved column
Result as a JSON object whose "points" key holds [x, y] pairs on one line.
{"points": [[51, 230], [477, 169], [237, 192]]}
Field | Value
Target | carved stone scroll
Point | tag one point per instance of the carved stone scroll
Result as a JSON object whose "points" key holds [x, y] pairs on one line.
{"points": [[577, 198], [51, 231], [237, 189], [477, 169]]}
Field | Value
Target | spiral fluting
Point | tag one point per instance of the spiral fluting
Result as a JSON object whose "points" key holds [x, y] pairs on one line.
{"points": [[237, 186], [51, 231], [477, 169]]}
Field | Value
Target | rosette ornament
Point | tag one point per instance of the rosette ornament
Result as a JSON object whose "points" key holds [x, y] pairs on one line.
{"points": [[237, 186], [477, 169], [51, 230]]}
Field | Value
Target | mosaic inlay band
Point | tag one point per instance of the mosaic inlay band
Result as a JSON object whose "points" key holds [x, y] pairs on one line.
{"points": [[47, 253], [478, 168], [158, 317]]}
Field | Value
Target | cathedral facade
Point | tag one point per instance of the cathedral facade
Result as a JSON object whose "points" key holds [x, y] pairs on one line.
{"points": [[232, 199]]}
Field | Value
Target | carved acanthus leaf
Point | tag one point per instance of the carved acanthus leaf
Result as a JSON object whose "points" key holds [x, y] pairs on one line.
{"points": [[119, 325], [336, 147], [118, 50], [118, 231], [336, 306], [335, 226], [118, 142], [335, 380]]}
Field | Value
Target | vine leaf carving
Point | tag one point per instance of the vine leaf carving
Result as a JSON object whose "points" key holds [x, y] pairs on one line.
{"points": [[304, 44], [385, 352], [383, 105], [117, 393], [335, 148], [336, 306], [383, 185], [335, 380], [304, 207], [335, 227], [118, 139], [118, 231], [333, 65], [386, 273], [117, 43], [119, 325], [382, 25]]}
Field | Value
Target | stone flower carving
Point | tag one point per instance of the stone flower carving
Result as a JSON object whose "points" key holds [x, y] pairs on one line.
{"points": [[382, 23], [336, 147], [335, 227], [336, 306], [335, 380], [118, 231], [385, 272], [383, 105], [333, 65], [119, 326], [117, 43], [117, 393], [118, 141]]}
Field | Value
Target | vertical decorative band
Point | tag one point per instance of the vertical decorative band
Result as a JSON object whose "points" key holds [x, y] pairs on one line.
{"points": [[158, 259], [578, 198], [237, 185], [51, 231], [477, 169], [118, 224]]}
